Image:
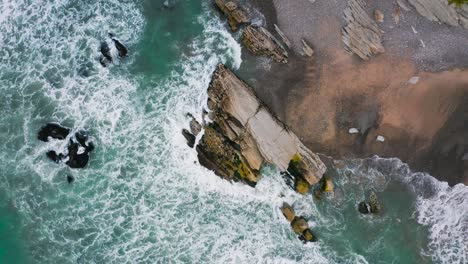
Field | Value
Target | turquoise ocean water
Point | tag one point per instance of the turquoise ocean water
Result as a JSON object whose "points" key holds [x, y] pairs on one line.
{"points": [[142, 198]]}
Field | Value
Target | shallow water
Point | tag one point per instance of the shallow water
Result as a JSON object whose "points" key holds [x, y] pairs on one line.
{"points": [[142, 197]]}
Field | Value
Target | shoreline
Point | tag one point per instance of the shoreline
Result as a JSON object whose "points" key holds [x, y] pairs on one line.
{"points": [[322, 97]]}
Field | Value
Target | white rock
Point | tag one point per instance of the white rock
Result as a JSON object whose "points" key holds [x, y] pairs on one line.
{"points": [[380, 138], [414, 80], [353, 130]]}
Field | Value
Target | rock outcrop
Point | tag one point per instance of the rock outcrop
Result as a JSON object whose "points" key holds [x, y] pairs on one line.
{"points": [[52, 130], [78, 146], [361, 35], [235, 14], [373, 206], [261, 42], [441, 11], [244, 135]]}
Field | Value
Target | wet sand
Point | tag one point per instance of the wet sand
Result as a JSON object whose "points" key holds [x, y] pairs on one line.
{"points": [[322, 97]]}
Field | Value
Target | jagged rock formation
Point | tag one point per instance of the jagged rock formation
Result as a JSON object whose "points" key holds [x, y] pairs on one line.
{"points": [[361, 35], [441, 11], [298, 224], [244, 135], [236, 15], [256, 39], [261, 42]]}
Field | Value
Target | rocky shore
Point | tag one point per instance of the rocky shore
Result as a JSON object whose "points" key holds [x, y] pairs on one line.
{"points": [[405, 98]]}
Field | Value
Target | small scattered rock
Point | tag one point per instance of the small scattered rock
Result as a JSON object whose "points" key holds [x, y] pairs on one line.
{"points": [[195, 127], [396, 13], [299, 225], [54, 131], [54, 156], [363, 208], [374, 203], [306, 49], [288, 212], [414, 80], [327, 185], [189, 137], [307, 236], [379, 16], [70, 179], [301, 186]]}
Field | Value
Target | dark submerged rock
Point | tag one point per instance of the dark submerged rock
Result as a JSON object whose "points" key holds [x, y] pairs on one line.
{"points": [[106, 51], [123, 51], [54, 131], [70, 179], [76, 157], [83, 138], [363, 208], [54, 156], [189, 137]]}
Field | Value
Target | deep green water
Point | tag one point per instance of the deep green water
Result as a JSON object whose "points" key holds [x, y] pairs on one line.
{"points": [[142, 198]]}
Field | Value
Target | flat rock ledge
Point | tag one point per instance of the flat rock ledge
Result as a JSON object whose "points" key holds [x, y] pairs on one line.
{"points": [[243, 135], [361, 35]]}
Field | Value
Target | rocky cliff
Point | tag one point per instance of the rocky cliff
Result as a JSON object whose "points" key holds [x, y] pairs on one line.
{"points": [[244, 135]]}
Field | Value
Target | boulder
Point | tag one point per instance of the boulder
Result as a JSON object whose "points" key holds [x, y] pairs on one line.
{"points": [[378, 16], [299, 225], [244, 135], [54, 131], [301, 186], [363, 208], [235, 14], [195, 127], [123, 51], [77, 156], [307, 236], [288, 212], [189, 137], [261, 42], [327, 185], [361, 35], [374, 204]]}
